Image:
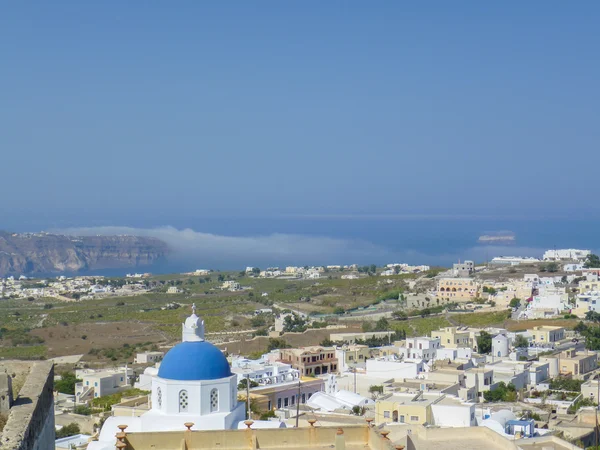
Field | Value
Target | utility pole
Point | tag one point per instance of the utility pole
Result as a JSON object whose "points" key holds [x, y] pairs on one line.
{"points": [[598, 400], [298, 405], [248, 395], [354, 370]]}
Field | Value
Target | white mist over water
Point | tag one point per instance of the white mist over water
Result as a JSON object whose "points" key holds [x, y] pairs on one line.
{"points": [[194, 249]]}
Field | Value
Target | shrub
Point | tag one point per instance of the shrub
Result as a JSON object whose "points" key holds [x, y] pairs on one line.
{"points": [[68, 430]]}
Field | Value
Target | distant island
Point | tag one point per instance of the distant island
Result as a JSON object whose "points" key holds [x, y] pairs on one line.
{"points": [[503, 238], [43, 253]]}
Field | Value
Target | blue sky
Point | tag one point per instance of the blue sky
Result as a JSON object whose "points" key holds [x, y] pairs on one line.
{"points": [[121, 112]]}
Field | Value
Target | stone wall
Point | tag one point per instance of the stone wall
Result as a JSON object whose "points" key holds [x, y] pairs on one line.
{"points": [[30, 425]]}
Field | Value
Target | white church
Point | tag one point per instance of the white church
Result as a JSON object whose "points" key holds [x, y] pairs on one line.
{"points": [[194, 384]]}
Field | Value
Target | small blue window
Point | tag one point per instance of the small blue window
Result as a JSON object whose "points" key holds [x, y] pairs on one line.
{"points": [[121, 378], [96, 383], [87, 383]]}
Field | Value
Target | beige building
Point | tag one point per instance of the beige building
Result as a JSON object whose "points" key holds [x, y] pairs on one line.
{"points": [[452, 337], [571, 363], [457, 289], [547, 334], [350, 355], [431, 408], [589, 286], [311, 361]]}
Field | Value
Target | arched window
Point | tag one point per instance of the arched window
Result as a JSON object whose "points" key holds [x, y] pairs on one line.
{"points": [[183, 401], [159, 398], [214, 400]]}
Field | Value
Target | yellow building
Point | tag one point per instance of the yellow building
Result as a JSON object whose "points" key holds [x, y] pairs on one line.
{"points": [[570, 362], [452, 337], [405, 408], [349, 355], [547, 334], [588, 286], [457, 289]]}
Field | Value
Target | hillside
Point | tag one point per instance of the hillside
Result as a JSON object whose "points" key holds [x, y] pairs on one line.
{"points": [[40, 253]]}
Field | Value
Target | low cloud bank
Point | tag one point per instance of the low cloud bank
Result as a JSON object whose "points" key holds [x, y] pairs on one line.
{"points": [[192, 249]]}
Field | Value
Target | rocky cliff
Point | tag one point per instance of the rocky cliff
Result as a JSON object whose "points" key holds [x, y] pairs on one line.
{"points": [[45, 253]]}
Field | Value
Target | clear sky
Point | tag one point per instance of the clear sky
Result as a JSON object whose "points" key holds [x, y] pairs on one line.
{"points": [[168, 109]]}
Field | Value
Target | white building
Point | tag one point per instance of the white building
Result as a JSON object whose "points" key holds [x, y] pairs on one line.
{"points": [[98, 383], [263, 372], [386, 369], [576, 267], [452, 354], [420, 348], [193, 384], [500, 346], [148, 357], [568, 254]]}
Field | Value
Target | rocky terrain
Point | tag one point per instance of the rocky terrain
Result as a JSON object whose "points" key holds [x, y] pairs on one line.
{"points": [[43, 253]]}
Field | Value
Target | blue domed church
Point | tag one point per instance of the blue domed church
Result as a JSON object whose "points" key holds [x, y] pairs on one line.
{"points": [[194, 384]]}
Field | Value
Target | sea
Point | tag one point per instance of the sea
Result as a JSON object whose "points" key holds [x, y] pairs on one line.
{"points": [[436, 241]]}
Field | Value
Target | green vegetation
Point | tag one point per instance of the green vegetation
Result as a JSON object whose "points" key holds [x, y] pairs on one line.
{"points": [[275, 343], [549, 267], [125, 352], [104, 403], [66, 384], [29, 352], [68, 430], [521, 342], [592, 261], [294, 323], [515, 303], [566, 384], [502, 393], [242, 384], [591, 333], [484, 342]]}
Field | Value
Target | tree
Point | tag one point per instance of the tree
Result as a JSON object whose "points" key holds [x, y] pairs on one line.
{"points": [[255, 271], [66, 384], [338, 310], [484, 342], [592, 261], [375, 390], [276, 343], [221, 278], [373, 268], [382, 325], [366, 327], [520, 342], [515, 303], [399, 315], [68, 430], [294, 323], [242, 384]]}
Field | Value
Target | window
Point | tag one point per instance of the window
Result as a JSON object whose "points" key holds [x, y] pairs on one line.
{"points": [[386, 414], [293, 400], [286, 401], [121, 379], [183, 401], [269, 406], [95, 383], [414, 418], [214, 400], [401, 419], [278, 403], [96, 394], [87, 383], [303, 398]]}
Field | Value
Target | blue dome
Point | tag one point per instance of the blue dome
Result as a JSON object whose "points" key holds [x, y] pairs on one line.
{"points": [[199, 360]]}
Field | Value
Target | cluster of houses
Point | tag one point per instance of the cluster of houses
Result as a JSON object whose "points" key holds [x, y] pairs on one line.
{"points": [[437, 380], [83, 287]]}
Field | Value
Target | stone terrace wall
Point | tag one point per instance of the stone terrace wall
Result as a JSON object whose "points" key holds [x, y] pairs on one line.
{"points": [[30, 425]]}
